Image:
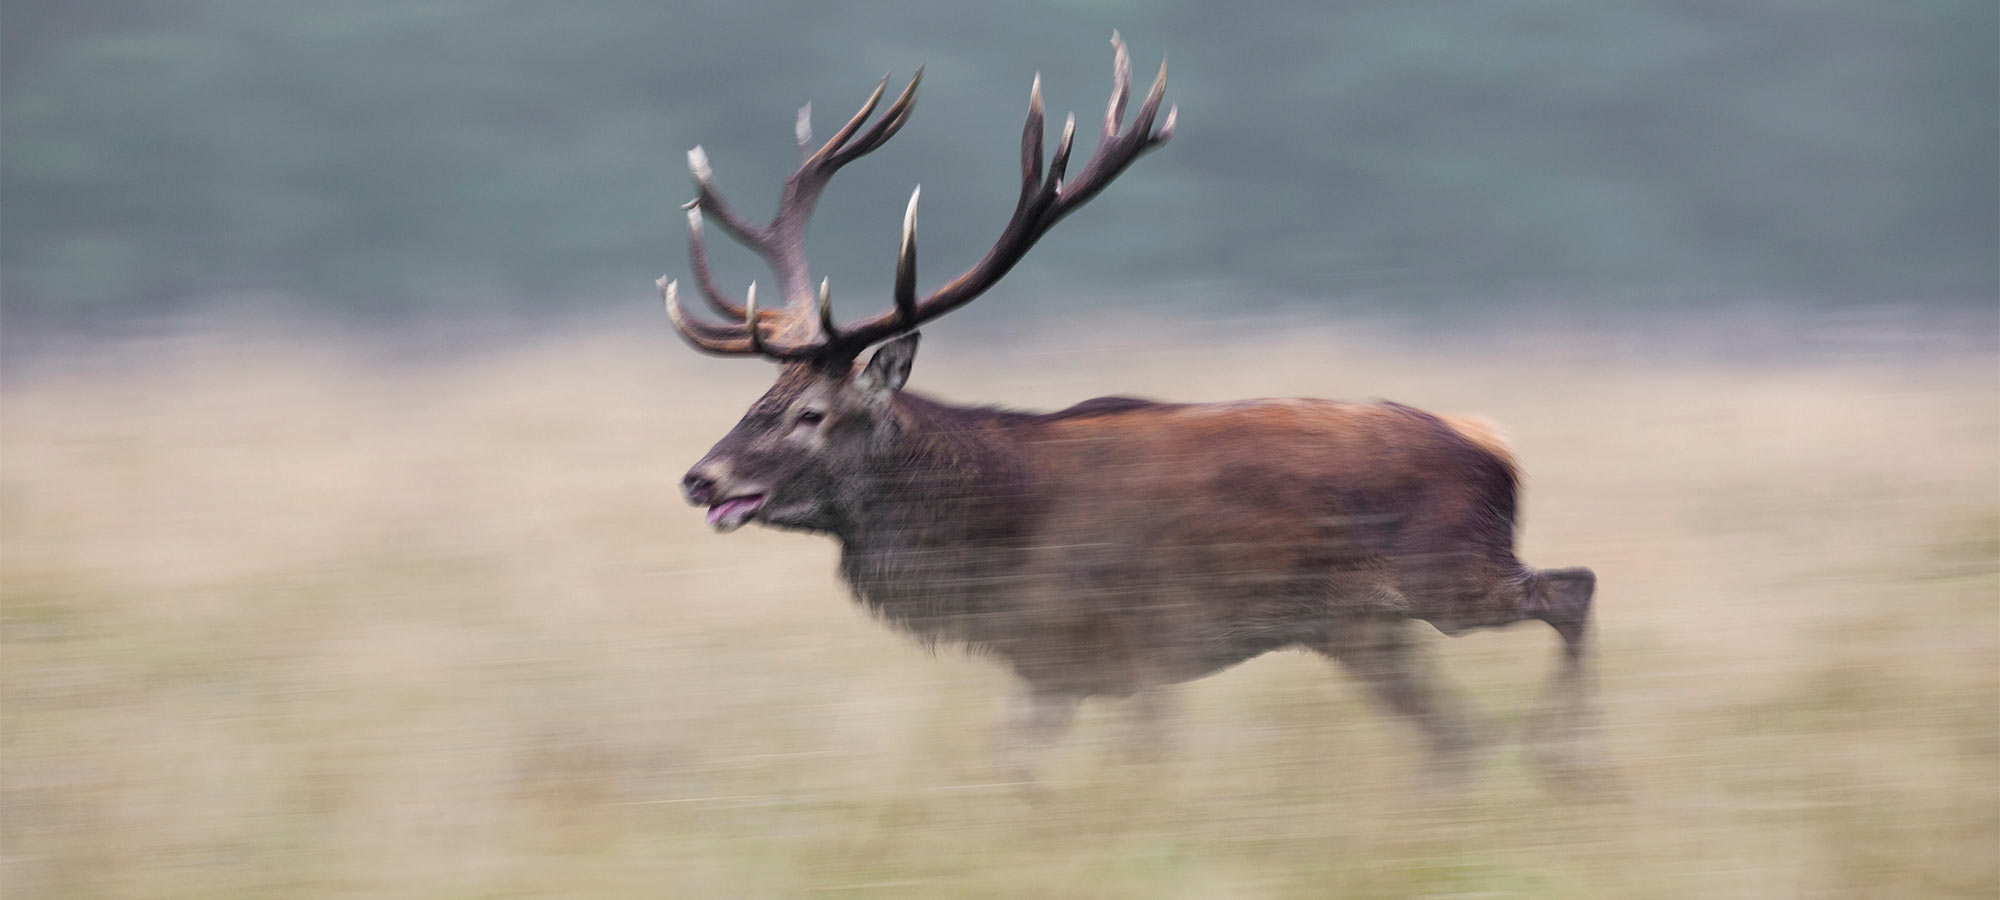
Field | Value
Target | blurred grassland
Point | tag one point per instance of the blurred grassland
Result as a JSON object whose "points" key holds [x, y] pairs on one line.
{"points": [[280, 621]]}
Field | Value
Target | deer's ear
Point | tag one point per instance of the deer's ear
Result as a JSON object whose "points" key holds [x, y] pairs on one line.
{"points": [[888, 369]]}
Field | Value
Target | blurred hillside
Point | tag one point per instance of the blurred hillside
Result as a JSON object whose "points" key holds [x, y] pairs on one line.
{"points": [[379, 157]]}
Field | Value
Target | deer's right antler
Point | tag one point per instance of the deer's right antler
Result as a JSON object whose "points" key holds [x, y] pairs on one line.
{"points": [[796, 332]]}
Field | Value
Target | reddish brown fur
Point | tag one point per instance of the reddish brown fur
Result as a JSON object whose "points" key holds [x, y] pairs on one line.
{"points": [[1256, 523], [1123, 544]]}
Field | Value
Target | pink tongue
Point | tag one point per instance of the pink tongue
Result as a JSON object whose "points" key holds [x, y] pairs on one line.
{"points": [[728, 508]]}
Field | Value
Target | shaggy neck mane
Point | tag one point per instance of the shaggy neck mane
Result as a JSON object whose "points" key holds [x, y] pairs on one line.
{"points": [[940, 529], [947, 462], [972, 453], [940, 519], [964, 437]]}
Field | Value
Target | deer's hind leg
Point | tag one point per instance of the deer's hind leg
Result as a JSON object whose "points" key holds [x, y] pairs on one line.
{"points": [[1560, 597], [1563, 599]]}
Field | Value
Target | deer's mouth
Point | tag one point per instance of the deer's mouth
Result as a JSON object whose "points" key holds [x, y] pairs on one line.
{"points": [[730, 514]]}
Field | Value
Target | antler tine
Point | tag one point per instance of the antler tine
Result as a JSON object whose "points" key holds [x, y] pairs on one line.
{"points": [[853, 124], [750, 319], [802, 132], [703, 278], [1116, 151], [709, 197], [739, 340], [884, 128], [1059, 163], [906, 264], [1166, 132], [1031, 144], [707, 338], [1142, 124], [1045, 199], [1121, 84], [826, 325]]}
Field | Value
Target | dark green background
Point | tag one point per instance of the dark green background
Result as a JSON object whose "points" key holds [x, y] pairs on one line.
{"points": [[389, 156]]}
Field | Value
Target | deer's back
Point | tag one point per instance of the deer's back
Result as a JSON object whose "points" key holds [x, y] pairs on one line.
{"points": [[1280, 472]]}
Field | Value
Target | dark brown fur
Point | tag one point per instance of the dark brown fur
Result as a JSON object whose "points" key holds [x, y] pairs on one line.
{"points": [[1124, 544]]}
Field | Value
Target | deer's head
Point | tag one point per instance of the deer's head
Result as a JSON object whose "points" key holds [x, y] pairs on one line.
{"points": [[787, 460], [792, 458]]}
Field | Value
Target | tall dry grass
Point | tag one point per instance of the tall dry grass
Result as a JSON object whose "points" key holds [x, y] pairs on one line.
{"points": [[278, 622]]}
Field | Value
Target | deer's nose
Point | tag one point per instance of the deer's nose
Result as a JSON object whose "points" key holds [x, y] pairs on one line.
{"points": [[698, 487]]}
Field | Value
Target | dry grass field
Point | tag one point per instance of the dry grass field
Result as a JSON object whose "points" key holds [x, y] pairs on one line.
{"points": [[280, 620]]}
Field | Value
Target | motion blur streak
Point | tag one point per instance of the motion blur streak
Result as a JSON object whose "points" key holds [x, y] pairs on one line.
{"points": [[279, 620]]}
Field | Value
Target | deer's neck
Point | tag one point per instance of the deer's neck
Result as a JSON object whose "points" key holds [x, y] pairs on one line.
{"points": [[936, 523], [952, 475]]}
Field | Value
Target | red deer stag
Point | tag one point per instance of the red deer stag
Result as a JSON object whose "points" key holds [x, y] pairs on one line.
{"points": [[1119, 545]]}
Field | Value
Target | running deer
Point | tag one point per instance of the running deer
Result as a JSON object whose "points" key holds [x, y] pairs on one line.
{"points": [[1120, 545]]}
